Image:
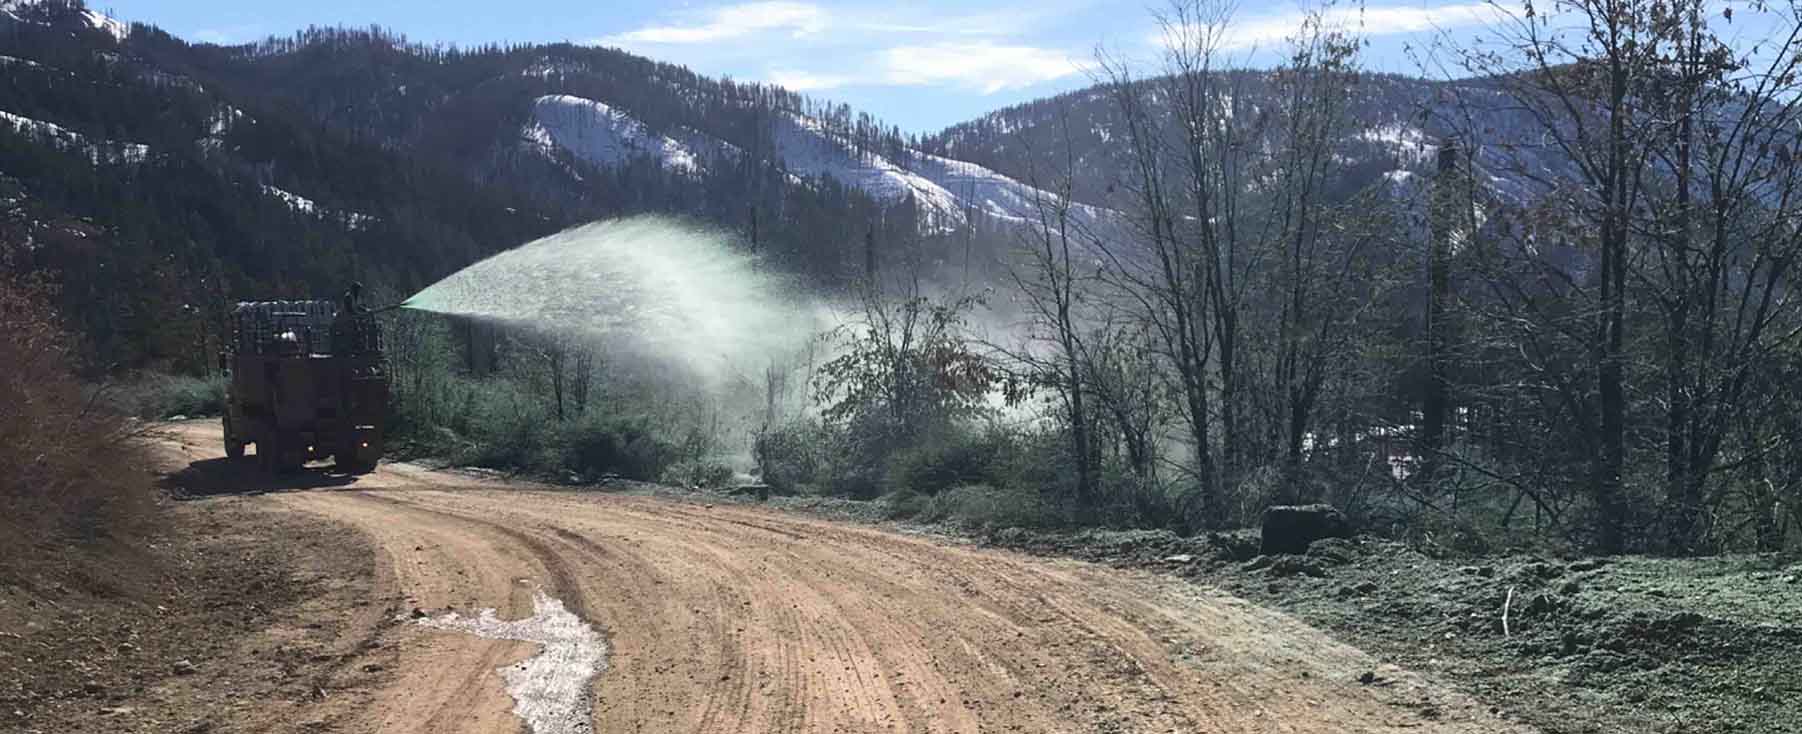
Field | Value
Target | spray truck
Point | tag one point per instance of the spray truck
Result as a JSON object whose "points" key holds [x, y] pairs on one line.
{"points": [[306, 380]]}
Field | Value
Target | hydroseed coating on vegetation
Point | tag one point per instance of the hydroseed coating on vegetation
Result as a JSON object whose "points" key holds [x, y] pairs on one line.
{"points": [[550, 691]]}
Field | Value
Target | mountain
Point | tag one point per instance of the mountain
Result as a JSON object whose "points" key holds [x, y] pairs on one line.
{"points": [[1394, 124], [292, 165], [195, 175]]}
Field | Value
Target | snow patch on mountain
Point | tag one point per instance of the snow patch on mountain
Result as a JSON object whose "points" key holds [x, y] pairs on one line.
{"points": [[601, 134], [62, 138], [112, 26], [807, 149], [353, 221], [946, 190], [17, 10], [294, 201], [1409, 144]]}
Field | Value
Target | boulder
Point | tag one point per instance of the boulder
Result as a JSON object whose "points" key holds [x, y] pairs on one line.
{"points": [[1289, 529]]}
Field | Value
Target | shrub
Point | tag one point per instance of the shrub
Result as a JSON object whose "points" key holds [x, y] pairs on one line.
{"points": [[69, 469], [698, 473], [792, 455], [903, 504], [981, 507], [508, 430], [947, 460], [622, 446], [157, 396]]}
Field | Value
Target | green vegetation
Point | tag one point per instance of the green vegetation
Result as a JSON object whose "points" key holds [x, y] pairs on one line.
{"points": [[156, 396]]}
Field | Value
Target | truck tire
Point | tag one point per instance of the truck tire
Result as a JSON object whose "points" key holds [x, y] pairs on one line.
{"points": [[234, 448]]}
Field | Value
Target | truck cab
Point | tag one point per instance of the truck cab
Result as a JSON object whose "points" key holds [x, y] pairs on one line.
{"points": [[306, 381]]}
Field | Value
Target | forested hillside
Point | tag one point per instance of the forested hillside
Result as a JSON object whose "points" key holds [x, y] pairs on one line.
{"points": [[291, 166]]}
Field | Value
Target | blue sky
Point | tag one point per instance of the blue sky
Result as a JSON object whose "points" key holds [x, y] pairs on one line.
{"points": [[919, 65]]}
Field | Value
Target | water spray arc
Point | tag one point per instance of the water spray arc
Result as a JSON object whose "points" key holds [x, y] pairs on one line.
{"points": [[648, 284]]}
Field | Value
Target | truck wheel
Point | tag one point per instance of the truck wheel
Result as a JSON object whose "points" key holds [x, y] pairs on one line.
{"points": [[234, 449]]}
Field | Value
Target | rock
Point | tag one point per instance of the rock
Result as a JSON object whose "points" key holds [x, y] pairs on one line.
{"points": [[1570, 642], [184, 667], [1290, 529], [372, 668], [1587, 564], [1180, 558], [1540, 604], [418, 613], [1537, 571], [1792, 578], [1259, 563], [1232, 548], [1570, 587], [1292, 566], [1333, 551], [1368, 677]]}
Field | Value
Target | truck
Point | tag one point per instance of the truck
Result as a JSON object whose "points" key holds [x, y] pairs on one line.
{"points": [[305, 380]]}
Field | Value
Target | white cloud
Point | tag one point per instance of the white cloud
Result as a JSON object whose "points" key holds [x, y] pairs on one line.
{"points": [[228, 36], [984, 66], [732, 21], [806, 81], [1276, 29], [809, 47]]}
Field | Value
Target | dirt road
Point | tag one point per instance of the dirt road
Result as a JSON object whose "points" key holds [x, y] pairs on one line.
{"points": [[726, 618]]}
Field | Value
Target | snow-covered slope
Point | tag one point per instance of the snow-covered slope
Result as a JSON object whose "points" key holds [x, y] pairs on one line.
{"points": [[353, 221], [600, 134], [20, 10], [947, 190], [57, 136]]}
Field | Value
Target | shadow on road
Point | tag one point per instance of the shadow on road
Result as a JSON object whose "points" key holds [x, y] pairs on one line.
{"points": [[223, 476]]}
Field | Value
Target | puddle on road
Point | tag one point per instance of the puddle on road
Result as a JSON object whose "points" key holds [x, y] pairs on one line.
{"points": [[550, 690]]}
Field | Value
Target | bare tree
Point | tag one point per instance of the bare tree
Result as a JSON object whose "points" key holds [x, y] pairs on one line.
{"points": [[1579, 87], [1052, 283]]}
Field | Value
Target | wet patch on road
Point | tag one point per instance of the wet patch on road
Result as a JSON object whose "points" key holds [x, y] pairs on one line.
{"points": [[550, 690]]}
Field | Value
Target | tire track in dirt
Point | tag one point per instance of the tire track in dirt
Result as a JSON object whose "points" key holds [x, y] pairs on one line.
{"points": [[731, 618]]}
